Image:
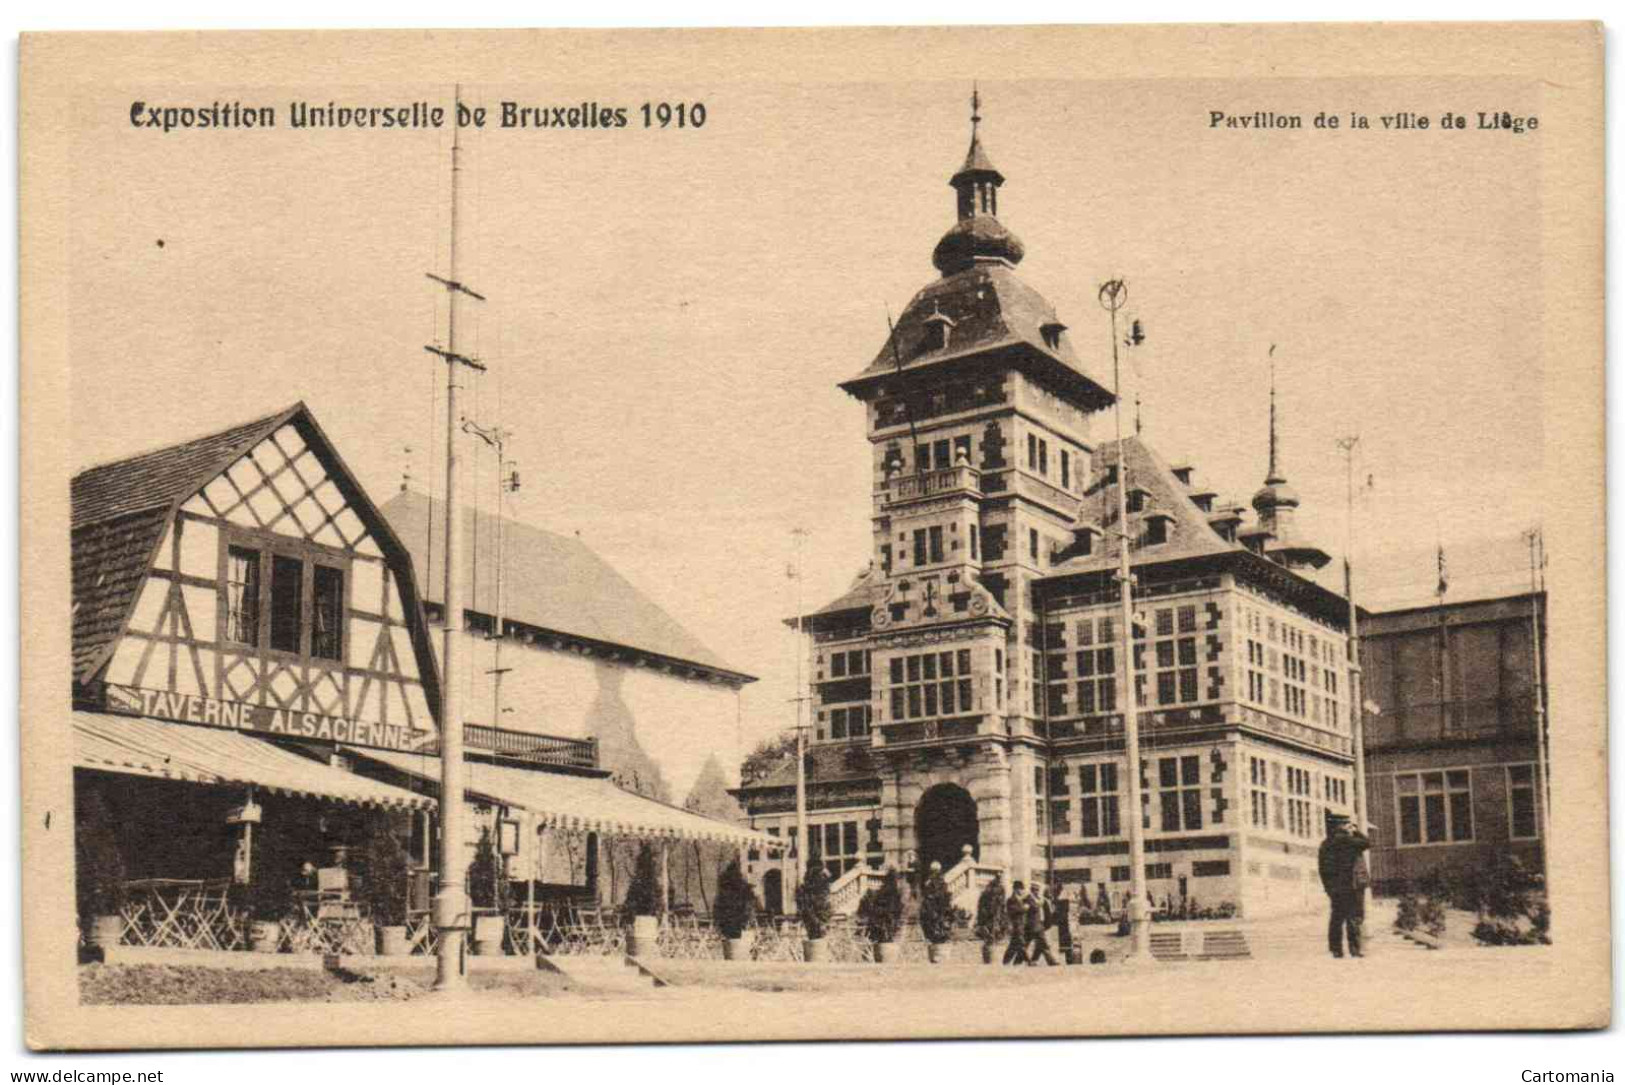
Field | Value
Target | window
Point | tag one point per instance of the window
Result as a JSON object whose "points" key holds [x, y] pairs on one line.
{"points": [[1043, 457], [1066, 469], [1097, 799], [930, 684], [1434, 807], [1097, 676], [1210, 868], [1176, 670], [327, 612], [1521, 819], [1179, 782], [287, 602], [962, 444], [919, 546], [852, 722], [1032, 542], [885, 556], [243, 595], [1159, 871], [940, 452], [973, 536], [1032, 451], [835, 844], [935, 539], [1259, 779]]}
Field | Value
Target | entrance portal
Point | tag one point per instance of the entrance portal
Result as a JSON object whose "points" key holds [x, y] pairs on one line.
{"points": [[944, 822]]}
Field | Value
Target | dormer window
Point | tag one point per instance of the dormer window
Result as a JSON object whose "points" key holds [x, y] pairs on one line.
{"points": [[939, 329], [285, 602], [1052, 334], [1204, 500], [1136, 499], [1083, 538], [1157, 527], [1183, 473]]}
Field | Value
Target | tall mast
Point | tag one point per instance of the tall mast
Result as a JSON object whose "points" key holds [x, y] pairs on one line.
{"points": [[1356, 671], [451, 914], [1112, 296]]}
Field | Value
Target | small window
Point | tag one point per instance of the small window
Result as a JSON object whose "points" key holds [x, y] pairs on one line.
{"points": [[1066, 470], [936, 544], [287, 602], [243, 595], [327, 605], [1032, 542]]}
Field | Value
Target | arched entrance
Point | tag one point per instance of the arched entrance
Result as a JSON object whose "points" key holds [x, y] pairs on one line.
{"points": [[773, 892], [944, 822]]}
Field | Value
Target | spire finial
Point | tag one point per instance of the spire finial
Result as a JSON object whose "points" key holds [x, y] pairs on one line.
{"points": [[1274, 468], [975, 108]]}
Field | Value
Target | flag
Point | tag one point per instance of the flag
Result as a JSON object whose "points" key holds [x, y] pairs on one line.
{"points": [[1444, 574]]}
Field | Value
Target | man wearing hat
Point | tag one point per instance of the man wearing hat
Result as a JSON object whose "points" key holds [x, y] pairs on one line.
{"points": [[1343, 876]]}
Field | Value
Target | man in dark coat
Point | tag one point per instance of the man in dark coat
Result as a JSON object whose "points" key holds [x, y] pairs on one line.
{"points": [[1039, 918], [1343, 875], [1016, 911], [1061, 918]]}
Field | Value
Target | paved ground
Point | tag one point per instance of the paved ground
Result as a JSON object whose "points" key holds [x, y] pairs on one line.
{"points": [[1290, 984]]}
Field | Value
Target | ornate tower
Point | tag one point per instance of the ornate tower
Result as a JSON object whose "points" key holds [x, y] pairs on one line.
{"points": [[978, 417], [1277, 505]]}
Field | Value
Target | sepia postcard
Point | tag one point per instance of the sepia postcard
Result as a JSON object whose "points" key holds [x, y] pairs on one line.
{"points": [[708, 535]]}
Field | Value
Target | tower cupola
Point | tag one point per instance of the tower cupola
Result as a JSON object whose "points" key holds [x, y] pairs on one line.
{"points": [[978, 235]]}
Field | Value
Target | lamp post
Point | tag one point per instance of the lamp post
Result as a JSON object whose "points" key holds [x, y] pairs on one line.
{"points": [[1113, 294]]}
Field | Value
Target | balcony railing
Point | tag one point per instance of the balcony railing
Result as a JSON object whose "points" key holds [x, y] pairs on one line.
{"points": [[578, 753], [912, 487]]}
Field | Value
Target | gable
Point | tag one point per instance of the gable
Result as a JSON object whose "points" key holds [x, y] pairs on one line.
{"points": [[269, 580]]}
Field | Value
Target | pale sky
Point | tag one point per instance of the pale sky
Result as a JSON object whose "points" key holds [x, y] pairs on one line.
{"points": [[669, 312]]}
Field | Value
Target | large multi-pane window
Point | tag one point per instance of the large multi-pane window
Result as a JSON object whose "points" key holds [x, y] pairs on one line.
{"points": [[1434, 807], [243, 595], [853, 663], [1300, 810], [850, 722], [1097, 799], [835, 844], [1521, 819], [1175, 648], [271, 599], [1179, 792], [931, 684]]}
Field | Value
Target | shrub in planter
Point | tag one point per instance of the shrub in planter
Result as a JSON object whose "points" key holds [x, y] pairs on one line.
{"points": [[734, 909], [937, 916], [992, 919], [812, 904], [487, 894], [881, 912], [643, 904], [385, 887], [98, 873]]}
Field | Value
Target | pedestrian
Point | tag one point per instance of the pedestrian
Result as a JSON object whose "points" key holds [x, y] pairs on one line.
{"points": [[1039, 919], [1016, 910], [1343, 875], [1061, 917]]}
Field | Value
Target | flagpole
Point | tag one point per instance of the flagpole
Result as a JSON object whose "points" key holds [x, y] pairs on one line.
{"points": [[1537, 559]]}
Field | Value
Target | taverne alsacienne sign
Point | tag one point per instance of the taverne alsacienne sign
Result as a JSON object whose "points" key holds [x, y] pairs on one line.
{"points": [[262, 719]]}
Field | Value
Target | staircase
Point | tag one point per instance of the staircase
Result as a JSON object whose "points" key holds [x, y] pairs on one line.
{"points": [[847, 890], [603, 971]]}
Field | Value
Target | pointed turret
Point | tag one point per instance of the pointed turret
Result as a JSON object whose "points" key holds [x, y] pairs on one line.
{"points": [[1277, 504]]}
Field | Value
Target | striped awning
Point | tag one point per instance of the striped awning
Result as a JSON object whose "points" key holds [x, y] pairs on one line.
{"points": [[587, 803], [213, 755]]}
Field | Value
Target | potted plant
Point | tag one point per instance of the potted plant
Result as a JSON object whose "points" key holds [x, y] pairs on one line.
{"points": [[643, 904], [99, 870], [812, 903], [881, 912], [937, 916], [487, 898], [992, 919], [385, 888], [735, 907]]}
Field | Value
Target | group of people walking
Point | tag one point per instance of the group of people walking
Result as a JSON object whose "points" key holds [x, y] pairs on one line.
{"points": [[1032, 915]]}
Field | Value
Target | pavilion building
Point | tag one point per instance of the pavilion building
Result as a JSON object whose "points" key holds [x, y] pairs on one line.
{"points": [[967, 687]]}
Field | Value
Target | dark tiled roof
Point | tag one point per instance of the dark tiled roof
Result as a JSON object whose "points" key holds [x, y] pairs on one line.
{"points": [[867, 590], [165, 475], [119, 512], [1189, 533], [991, 310], [550, 582], [825, 764]]}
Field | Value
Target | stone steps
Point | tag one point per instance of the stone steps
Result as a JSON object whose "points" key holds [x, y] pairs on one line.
{"points": [[607, 972]]}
